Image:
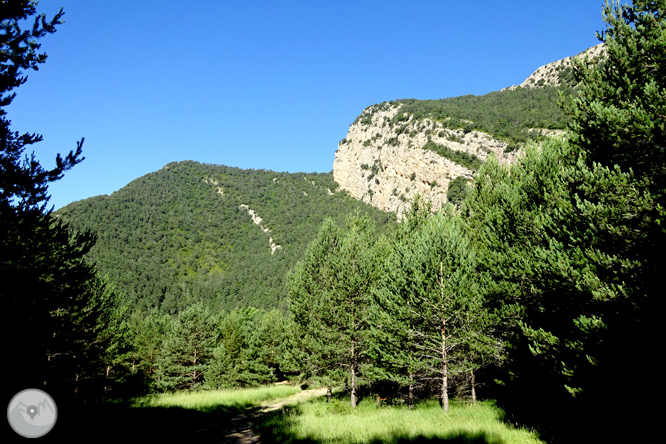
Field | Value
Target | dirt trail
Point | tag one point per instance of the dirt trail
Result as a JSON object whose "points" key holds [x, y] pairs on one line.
{"points": [[241, 425]]}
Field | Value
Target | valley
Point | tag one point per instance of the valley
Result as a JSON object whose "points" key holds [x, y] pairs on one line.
{"points": [[472, 269]]}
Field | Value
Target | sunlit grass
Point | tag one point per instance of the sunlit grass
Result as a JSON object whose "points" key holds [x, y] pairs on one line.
{"points": [[338, 423], [207, 400]]}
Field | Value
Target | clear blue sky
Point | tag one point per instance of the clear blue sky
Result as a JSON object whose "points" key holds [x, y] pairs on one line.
{"points": [[265, 84]]}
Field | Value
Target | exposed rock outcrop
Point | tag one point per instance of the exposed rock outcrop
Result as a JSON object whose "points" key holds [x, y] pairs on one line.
{"points": [[386, 165], [258, 221], [386, 161], [559, 73], [215, 183]]}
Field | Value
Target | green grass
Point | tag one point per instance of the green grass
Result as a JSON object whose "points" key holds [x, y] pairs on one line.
{"points": [[210, 400], [336, 422], [320, 422]]}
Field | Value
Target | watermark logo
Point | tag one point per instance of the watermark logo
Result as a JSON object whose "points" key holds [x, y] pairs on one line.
{"points": [[32, 413]]}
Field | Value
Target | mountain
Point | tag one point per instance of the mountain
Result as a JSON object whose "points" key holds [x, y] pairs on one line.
{"points": [[195, 232], [198, 232], [395, 150]]}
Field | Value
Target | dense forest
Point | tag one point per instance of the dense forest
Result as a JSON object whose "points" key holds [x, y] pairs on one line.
{"points": [[185, 234], [540, 289]]}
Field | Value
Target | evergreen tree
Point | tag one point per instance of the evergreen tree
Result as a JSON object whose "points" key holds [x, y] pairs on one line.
{"points": [[265, 343], [255, 347], [187, 349], [141, 337], [441, 290], [309, 284], [392, 333], [330, 296], [229, 351], [51, 304], [221, 371], [573, 240], [625, 92]]}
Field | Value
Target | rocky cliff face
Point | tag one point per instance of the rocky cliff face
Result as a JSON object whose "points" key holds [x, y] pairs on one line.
{"points": [[386, 161], [386, 164]]}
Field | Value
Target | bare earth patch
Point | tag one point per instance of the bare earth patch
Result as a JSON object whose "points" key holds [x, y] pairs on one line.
{"points": [[241, 431]]}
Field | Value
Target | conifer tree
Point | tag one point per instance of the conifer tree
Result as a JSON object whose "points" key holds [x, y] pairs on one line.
{"points": [[441, 290], [143, 334], [264, 346], [226, 362], [330, 299], [187, 349], [392, 331], [573, 240], [309, 285], [51, 304]]}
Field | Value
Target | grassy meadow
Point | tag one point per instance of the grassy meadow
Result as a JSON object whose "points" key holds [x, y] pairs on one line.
{"points": [[318, 421], [213, 400], [321, 422]]}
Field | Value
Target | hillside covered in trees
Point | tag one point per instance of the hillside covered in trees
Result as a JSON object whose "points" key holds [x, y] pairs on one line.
{"points": [[193, 232]]}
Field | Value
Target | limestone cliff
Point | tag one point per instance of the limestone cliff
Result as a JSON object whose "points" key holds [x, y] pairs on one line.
{"points": [[389, 156], [386, 165]]}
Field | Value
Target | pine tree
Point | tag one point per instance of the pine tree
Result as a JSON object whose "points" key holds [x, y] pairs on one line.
{"points": [[573, 240], [309, 285], [226, 364], [51, 303], [264, 344], [187, 349], [392, 330], [142, 335], [441, 290], [330, 299]]}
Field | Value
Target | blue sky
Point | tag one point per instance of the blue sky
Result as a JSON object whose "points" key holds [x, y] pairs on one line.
{"points": [[265, 84]]}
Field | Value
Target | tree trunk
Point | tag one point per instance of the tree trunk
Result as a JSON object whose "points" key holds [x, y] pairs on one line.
{"points": [[445, 362], [353, 376], [411, 391], [473, 387], [194, 376], [445, 370]]}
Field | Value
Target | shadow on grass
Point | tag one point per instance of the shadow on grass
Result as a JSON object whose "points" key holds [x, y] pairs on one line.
{"points": [[277, 427], [117, 423], [454, 438]]}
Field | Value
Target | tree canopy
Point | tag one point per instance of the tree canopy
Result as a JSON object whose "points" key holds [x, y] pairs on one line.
{"points": [[185, 234], [572, 237]]}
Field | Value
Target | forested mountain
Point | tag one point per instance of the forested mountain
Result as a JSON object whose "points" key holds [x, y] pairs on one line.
{"points": [[196, 232], [186, 233]]}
